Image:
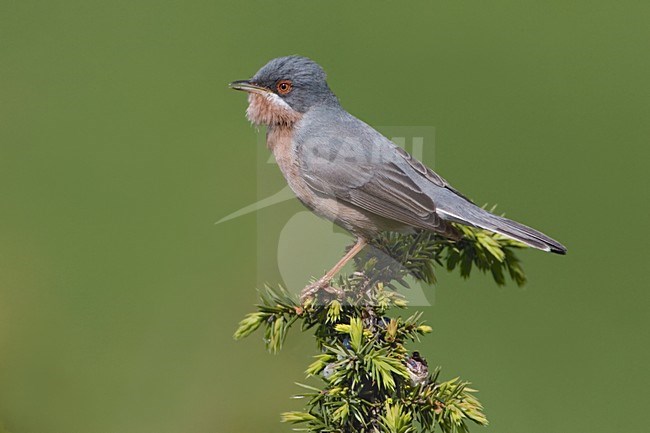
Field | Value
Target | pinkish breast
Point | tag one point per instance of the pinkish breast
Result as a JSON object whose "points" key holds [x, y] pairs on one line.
{"points": [[270, 109]]}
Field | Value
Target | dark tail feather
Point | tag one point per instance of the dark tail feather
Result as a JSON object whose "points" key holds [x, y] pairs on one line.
{"points": [[483, 219], [525, 234]]}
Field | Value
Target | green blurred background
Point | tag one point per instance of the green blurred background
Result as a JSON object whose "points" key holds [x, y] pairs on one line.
{"points": [[121, 145]]}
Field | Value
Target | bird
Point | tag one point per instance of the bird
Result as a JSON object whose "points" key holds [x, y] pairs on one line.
{"points": [[347, 172]]}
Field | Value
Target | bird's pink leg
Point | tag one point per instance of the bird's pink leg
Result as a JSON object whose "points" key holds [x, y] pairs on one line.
{"points": [[313, 288]]}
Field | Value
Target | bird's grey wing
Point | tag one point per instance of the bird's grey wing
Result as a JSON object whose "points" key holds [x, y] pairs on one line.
{"points": [[344, 158], [354, 163], [429, 174]]}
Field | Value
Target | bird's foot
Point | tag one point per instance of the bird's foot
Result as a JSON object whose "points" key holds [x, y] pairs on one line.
{"points": [[310, 291]]}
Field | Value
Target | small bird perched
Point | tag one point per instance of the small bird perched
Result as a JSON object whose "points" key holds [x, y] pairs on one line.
{"points": [[345, 171]]}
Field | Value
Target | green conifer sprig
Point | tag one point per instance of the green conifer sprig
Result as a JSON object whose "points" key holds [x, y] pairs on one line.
{"points": [[369, 381]]}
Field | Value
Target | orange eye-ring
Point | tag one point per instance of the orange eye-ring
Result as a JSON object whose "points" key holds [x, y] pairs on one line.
{"points": [[284, 87]]}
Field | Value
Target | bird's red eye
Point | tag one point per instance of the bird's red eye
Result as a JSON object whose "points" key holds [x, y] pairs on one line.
{"points": [[284, 87]]}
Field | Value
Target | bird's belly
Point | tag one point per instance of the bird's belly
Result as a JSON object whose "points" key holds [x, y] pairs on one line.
{"points": [[351, 218]]}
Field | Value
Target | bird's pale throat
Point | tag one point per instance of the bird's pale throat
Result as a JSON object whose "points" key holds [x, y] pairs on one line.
{"points": [[270, 109]]}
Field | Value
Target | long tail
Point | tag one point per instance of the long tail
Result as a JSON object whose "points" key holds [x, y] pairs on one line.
{"points": [[475, 216]]}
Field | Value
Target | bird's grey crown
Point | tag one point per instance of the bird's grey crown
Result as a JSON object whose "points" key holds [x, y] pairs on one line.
{"points": [[308, 79]]}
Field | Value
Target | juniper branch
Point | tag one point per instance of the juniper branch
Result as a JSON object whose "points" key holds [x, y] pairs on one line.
{"points": [[370, 381]]}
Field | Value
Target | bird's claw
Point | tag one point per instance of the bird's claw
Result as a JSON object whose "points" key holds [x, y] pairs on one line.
{"points": [[312, 289]]}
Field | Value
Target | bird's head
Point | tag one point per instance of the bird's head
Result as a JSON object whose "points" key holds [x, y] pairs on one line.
{"points": [[284, 89]]}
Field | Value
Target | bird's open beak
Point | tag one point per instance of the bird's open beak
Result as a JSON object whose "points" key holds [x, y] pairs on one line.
{"points": [[247, 86]]}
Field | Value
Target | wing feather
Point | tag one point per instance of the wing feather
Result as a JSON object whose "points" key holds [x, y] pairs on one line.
{"points": [[343, 158], [360, 166]]}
